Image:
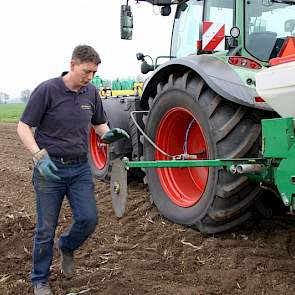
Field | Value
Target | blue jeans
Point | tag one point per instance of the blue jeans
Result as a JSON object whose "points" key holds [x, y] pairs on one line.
{"points": [[77, 184]]}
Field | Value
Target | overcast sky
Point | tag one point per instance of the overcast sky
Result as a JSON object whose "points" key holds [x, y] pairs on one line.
{"points": [[38, 36]]}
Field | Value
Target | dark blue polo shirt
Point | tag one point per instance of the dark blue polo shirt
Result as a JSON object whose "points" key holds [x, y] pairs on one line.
{"points": [[62, 116]]}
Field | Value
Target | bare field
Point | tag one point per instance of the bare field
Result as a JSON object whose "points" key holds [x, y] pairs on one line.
{"points": [[141, 253]]}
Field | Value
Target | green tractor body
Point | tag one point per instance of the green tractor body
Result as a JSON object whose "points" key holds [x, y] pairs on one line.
{"points": [[203, 105]]}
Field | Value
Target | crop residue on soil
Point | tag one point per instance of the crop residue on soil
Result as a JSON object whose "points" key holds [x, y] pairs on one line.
{"points": [[141, 253]]}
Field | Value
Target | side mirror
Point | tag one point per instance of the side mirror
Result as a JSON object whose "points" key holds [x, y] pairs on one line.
{"points": [[126, 22], [289, 25]]}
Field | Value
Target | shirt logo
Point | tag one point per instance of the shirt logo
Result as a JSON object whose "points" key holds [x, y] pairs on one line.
{"points": [[85, 107]]}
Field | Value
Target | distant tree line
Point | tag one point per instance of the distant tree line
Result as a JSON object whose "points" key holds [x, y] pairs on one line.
{"points": [[4, 97], [25, 95]]}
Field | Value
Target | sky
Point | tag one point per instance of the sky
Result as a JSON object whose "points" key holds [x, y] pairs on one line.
{"points": [[38, 37]]}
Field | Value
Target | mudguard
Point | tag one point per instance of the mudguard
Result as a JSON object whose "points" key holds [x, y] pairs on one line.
{"points": [[117, 111], [219, 76], [117, 116]]}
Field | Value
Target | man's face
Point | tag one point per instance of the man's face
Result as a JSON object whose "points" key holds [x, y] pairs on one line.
{"points": [[82, 73]]}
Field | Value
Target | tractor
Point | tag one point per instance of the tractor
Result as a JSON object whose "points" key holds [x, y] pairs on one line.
{"points": [[202, 105]]}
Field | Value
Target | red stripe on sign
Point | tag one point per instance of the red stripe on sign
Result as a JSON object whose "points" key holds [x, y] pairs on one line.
{"points": [[206, 26], [215, 41]]}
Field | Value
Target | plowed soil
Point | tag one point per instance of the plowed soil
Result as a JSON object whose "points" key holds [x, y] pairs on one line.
{"points": [[141, 253]]}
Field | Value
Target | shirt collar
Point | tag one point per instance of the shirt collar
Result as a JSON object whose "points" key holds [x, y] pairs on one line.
{"points": [[82, 90]]}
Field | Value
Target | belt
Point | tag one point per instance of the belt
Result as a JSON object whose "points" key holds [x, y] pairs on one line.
{"points": [[70, 159]]}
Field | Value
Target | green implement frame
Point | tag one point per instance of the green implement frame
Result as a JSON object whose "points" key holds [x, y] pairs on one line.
{"points": [[277, 166], [225, 163]]}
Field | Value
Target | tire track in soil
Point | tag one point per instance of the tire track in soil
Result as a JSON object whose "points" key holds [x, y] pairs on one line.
{"points": [[141, 253]]}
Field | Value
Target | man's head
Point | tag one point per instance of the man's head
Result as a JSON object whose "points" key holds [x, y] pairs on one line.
{"points": [[85, 54], [84, 63]]}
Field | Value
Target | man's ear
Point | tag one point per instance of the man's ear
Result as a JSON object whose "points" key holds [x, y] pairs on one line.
{"points": [[72, 64]]}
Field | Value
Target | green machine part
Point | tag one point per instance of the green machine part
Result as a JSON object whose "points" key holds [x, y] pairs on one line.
{"points": [[276, 166], [123, 84], [97, 82], [278, 143]]}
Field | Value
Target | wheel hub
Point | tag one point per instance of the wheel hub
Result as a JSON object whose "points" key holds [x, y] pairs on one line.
{"points": [[179, 132]]}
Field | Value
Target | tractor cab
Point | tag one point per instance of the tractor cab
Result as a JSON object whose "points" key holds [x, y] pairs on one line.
{"points": [[256, 28], [201, 26], [269, 27]]}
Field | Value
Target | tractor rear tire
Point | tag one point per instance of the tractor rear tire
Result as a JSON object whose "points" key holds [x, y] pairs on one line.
{"points": [[186, 112]]}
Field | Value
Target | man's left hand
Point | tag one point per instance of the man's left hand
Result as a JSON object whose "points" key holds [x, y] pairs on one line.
{"points": [[113, 135]]}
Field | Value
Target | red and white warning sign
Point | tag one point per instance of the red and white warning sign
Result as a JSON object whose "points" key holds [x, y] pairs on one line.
{"points": [[213, 36]]}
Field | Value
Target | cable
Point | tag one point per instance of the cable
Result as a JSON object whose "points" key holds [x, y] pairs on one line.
{"points": [[186, 137], [270, 189], [184, 156], [150, 58], [146, 136]]}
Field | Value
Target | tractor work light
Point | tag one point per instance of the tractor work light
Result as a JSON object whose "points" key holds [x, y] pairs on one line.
{"points": [[244, 62], [235, 32]]}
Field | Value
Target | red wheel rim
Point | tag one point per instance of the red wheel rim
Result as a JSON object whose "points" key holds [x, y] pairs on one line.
{"points": [[98, 150], [184, 186]]}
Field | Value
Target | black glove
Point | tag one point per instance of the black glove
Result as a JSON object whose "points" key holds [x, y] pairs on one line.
{"points": [[113, 135], [45, 166]]}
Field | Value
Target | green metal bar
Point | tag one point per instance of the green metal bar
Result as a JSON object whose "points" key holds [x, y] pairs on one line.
{"points": [[174, 164], [277, 166], [192, 163]]}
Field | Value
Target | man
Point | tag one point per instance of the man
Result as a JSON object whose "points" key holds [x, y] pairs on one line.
{"points": [[61, 109]]}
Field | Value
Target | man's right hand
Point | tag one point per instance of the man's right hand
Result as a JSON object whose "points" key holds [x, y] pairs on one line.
{"points": [[45, 166]]}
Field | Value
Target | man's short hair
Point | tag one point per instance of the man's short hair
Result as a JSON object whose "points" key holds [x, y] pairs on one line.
{"points": [[85, 53]]}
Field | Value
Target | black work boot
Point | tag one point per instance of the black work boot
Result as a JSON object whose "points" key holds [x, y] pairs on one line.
{"points": [[67, 264]]}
